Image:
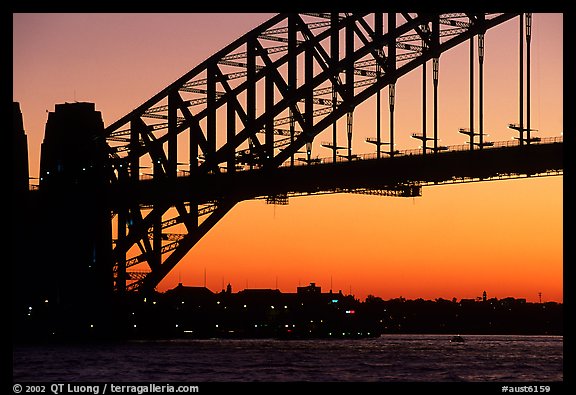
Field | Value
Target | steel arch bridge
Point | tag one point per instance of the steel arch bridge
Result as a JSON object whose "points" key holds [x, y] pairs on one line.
{"points": [[236, 121]]}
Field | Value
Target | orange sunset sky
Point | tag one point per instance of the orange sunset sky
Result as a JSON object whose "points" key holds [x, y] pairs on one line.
{"points": [[502, 237]]}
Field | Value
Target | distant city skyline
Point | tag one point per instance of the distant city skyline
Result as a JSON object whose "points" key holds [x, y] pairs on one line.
{"points": [[229, 287]]}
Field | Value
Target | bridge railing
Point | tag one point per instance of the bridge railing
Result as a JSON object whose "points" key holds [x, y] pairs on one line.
{"points": [[410, 152], [420, 151], [371, 156]]}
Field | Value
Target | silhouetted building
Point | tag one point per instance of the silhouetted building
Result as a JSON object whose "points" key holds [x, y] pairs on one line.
{"points": [[260, 296], [197, 294], [311, 289]]}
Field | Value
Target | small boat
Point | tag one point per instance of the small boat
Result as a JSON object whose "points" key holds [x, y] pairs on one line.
{"points": [[457, 339]]}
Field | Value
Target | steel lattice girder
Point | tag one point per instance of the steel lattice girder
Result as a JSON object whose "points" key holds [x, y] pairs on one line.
{"points": [[217, 82]]}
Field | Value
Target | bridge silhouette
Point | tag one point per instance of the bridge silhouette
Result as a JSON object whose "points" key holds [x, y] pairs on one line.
{"points": [[233, 128]]}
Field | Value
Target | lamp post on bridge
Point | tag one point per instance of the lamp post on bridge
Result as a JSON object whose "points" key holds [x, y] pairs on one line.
{"points": [[372, 140], [470, 131], [481, 89], [520, 126], [528, 38], [481, 143]]}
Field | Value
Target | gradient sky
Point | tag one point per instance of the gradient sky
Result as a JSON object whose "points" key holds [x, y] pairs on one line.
{"points": [[504, 237]]}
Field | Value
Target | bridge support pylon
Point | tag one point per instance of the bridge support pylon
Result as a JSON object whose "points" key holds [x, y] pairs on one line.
{"points": [[70, 255]]}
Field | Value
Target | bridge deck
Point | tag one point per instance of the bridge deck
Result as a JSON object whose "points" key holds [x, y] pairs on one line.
{"points": [[369, 173]]}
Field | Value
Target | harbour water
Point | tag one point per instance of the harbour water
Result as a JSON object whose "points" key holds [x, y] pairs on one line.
{"points": [[389, 358]]}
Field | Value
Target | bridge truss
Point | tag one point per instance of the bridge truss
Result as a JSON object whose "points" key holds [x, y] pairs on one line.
{"points": [[253, 106]]}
